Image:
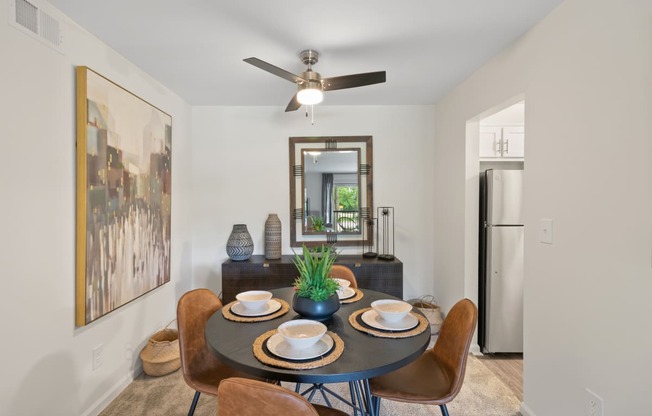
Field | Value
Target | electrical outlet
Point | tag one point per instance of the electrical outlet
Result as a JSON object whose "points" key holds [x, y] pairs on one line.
{"points": [[593, 406], [98, 356]]}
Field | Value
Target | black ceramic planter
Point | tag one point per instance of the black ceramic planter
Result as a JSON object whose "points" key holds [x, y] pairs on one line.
{"points": [[318, 311]]}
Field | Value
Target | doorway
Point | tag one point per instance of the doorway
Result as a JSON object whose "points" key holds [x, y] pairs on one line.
{"points": [[495, 140]]}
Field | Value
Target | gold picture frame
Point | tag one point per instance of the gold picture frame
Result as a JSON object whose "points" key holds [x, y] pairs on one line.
{"points": [[124, 174]]}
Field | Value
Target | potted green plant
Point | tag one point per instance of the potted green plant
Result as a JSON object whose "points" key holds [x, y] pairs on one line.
{"points": [[315, 291], [317, 223]]}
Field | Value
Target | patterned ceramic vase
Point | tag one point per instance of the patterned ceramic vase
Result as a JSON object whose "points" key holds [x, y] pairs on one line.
{"points": [[273, 237], [239, 246]]}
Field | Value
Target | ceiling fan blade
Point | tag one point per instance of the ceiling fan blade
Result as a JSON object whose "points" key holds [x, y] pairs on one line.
{"points": [[274, 70], [351, 81], [293, 105]]}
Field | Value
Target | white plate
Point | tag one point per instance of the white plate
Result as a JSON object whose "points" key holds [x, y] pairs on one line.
{"points": [[279, 347], [347, 293], [374, 320], [271, 307]]}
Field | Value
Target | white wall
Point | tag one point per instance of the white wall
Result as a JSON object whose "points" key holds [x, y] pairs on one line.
{"points": [[241, 173], [586, 75], [313, 182], [46, 362]]}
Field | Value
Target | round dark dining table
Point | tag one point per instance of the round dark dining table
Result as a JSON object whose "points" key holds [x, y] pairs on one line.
{"points": [[365, 356]]}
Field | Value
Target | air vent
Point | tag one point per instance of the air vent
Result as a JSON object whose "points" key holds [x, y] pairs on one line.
{"points": [[27, 15], [50, 30], [30, 18]]}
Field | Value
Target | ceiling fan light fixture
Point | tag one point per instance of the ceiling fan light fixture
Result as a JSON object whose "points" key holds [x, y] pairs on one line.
{"points": [[310, 95], [310, 84]]}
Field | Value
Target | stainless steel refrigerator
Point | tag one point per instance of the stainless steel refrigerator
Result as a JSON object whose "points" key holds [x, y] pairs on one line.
{"points": [[500, 301]]}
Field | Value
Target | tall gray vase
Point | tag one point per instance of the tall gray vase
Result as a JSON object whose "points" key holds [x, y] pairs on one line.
{"points": [[239, 246], [273, 237]]}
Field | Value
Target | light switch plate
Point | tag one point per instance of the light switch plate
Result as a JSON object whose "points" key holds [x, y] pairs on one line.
{"points": [[545, 231]]}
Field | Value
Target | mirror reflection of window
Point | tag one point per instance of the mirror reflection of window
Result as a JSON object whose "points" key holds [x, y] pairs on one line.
{"points": [[346, 216], [331, 190]]}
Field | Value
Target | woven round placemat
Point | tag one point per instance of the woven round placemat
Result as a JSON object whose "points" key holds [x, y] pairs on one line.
{"points": [[362, 327], [358, 295], [226, 312], [266, 357]]}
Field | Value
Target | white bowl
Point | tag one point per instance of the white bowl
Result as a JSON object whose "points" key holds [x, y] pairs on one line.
{"points": [[342, 282], [343, 285], [302, 333], [254, 299], [391, 310]]}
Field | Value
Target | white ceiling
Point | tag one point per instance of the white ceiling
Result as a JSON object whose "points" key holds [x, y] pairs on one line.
{"points": [[331, 161], [196, 47]]}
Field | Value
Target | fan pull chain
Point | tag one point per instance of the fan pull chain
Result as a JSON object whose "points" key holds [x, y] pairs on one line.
{"points": [[312, 114]]}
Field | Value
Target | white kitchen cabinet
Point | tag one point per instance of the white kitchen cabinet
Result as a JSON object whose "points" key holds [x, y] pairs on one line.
{"points": [[499, 143], [490, 138]]}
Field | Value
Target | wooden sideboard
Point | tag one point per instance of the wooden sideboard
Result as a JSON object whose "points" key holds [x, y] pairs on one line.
{"points": [[258, 273]]}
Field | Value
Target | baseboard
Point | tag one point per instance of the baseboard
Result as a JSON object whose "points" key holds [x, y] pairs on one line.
{"points": [[475, 350], [101, 403], [526, 411]]}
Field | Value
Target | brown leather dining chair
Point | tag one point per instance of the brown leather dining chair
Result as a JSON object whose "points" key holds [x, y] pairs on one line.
{"points": [[436, 376], [342, 272], [201, 369], [243, 397]]}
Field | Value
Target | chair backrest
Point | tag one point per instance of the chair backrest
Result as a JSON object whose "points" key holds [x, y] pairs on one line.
{"points": [[243, 397], [342, 272], [193, 310], [452, 347]]}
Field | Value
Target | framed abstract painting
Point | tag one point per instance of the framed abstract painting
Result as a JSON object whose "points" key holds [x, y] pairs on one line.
{"points": [[124, 176]]}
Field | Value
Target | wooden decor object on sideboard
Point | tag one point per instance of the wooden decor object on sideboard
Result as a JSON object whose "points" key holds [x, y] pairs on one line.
{"points": [[258, 273]]}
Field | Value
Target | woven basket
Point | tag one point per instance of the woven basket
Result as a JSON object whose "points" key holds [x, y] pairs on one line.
{"points": [[161, 354], [426, 304]]}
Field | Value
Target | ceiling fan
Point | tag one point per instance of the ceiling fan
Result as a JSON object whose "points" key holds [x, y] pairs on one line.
{"points": [[310, 85]]}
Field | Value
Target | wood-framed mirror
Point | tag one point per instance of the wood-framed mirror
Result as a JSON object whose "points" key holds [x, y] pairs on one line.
{"points": [[331, 190]]}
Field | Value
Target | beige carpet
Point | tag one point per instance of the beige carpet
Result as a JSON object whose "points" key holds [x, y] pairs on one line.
{"points": [[482, 394]]}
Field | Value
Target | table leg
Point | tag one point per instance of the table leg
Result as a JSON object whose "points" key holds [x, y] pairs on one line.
{"points": [[353, 398], [367, 399]]}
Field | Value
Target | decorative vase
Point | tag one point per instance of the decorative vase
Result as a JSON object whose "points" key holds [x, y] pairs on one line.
{"points": [[273, 237], [318, 311], [239, 246]]}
